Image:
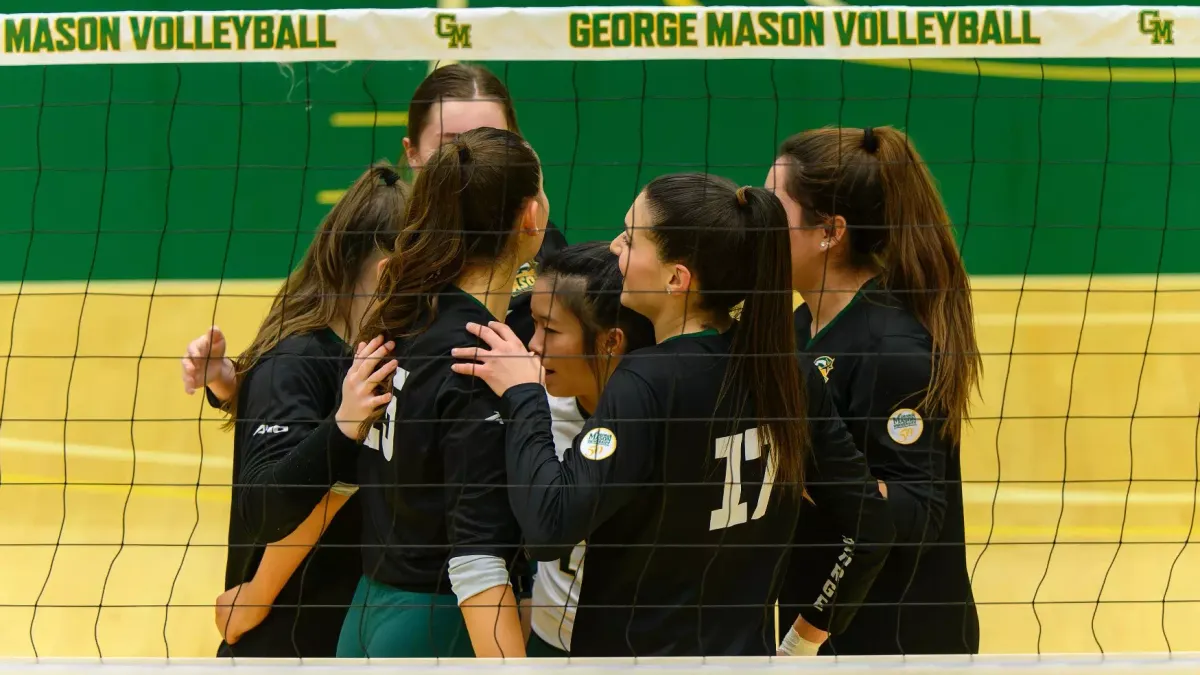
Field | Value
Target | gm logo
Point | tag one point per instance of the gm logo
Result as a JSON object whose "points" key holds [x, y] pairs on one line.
{"points": [[1160, 30], [448, 28]]}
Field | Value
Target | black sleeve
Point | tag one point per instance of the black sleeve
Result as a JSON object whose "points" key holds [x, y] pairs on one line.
{"points": [[887, 389], [479, 521], [560, 503], [293, 451], [213, 401], [846, 533]]}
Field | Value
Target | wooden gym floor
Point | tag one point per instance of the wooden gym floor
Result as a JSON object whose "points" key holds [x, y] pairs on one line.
{"points": [[1078, 401]]}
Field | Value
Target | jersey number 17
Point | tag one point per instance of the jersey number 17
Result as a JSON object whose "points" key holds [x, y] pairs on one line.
{"points": [[733, 510]]}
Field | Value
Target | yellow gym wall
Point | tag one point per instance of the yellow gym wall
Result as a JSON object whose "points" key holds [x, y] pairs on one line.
{"points": [[1093, 403]]}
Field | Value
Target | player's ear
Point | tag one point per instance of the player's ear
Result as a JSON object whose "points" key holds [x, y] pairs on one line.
{"points": [[835, 231], [611, 342], [680, 280], [411, 155], [528, 222]]}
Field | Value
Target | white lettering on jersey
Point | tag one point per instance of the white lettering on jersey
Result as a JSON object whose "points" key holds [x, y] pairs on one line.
{"points": [[382, 435], [270, 429], [733, 510], [494, 417], [829, 588]]}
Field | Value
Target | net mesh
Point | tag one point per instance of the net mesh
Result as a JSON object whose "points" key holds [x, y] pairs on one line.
{"points": [[151, 190]]}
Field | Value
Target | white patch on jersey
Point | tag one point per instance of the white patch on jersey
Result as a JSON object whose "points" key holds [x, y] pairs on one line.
{"points": [[905, 426], [494, 417], [598, 444], [270, 429]]}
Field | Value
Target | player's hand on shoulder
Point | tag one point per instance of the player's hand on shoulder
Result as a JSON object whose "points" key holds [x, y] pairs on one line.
{"points": [[504, 364], [360, 387], [205, 365]]}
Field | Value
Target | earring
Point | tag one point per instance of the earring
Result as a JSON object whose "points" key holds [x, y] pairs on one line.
{"points": [[824, 244], [669, 290]]}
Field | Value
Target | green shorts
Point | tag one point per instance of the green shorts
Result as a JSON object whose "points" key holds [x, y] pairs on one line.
{"points": [[540, 649], [386, 622]]}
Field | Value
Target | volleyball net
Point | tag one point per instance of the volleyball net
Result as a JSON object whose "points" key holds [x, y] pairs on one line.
{"points": [[160, 172]]}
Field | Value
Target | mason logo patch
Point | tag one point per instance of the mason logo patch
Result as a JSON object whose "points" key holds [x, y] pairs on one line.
{"points": [[825, 365], [525, 278], [905, 426], [598, 444]]}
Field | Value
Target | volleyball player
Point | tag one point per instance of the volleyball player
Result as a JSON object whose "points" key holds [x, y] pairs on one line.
{"points": [[581, 334], [438, 536], [887, 319], [450, 100], [280, 395], [686, 480], [457, 98]]}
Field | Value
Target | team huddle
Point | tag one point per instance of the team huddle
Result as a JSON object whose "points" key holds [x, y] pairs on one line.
{"points": [[455, 435]]}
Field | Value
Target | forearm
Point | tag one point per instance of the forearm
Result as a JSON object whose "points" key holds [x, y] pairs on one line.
{"points": [[276, 496], [282, 558], [536, 477], [224, 386], [494, 623]]}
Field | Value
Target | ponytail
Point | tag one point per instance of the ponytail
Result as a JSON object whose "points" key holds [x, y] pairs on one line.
{"points": [[735, 242], [464, 208], [922, 265], [765, 338], [363, 222], [872, 177], [429, 251]]}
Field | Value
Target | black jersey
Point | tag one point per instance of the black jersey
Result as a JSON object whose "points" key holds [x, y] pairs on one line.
{"points": [[287, 454], [687, 536], [432, 470], [877, 359], [520, 317]]}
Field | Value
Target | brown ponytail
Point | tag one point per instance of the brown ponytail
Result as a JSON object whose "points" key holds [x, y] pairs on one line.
{"points": [[463, 209], [735, 243], [767, 337], [896, 222], [365, 220]]}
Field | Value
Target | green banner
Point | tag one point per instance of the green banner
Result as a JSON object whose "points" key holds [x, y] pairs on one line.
{"points": [[223, 170]]}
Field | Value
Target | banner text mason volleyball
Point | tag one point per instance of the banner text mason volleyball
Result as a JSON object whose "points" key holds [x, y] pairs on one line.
{"points": [[805, 28], [179, 32], [371, 32]]}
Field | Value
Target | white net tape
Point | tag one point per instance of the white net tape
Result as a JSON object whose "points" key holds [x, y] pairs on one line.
{"points": [[1127, 664], [603, 33]]}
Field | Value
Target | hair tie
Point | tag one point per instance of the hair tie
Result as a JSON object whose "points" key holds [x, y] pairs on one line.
{"points": [[870, 141], [390, 177], [741, 195], [464, 154]]}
